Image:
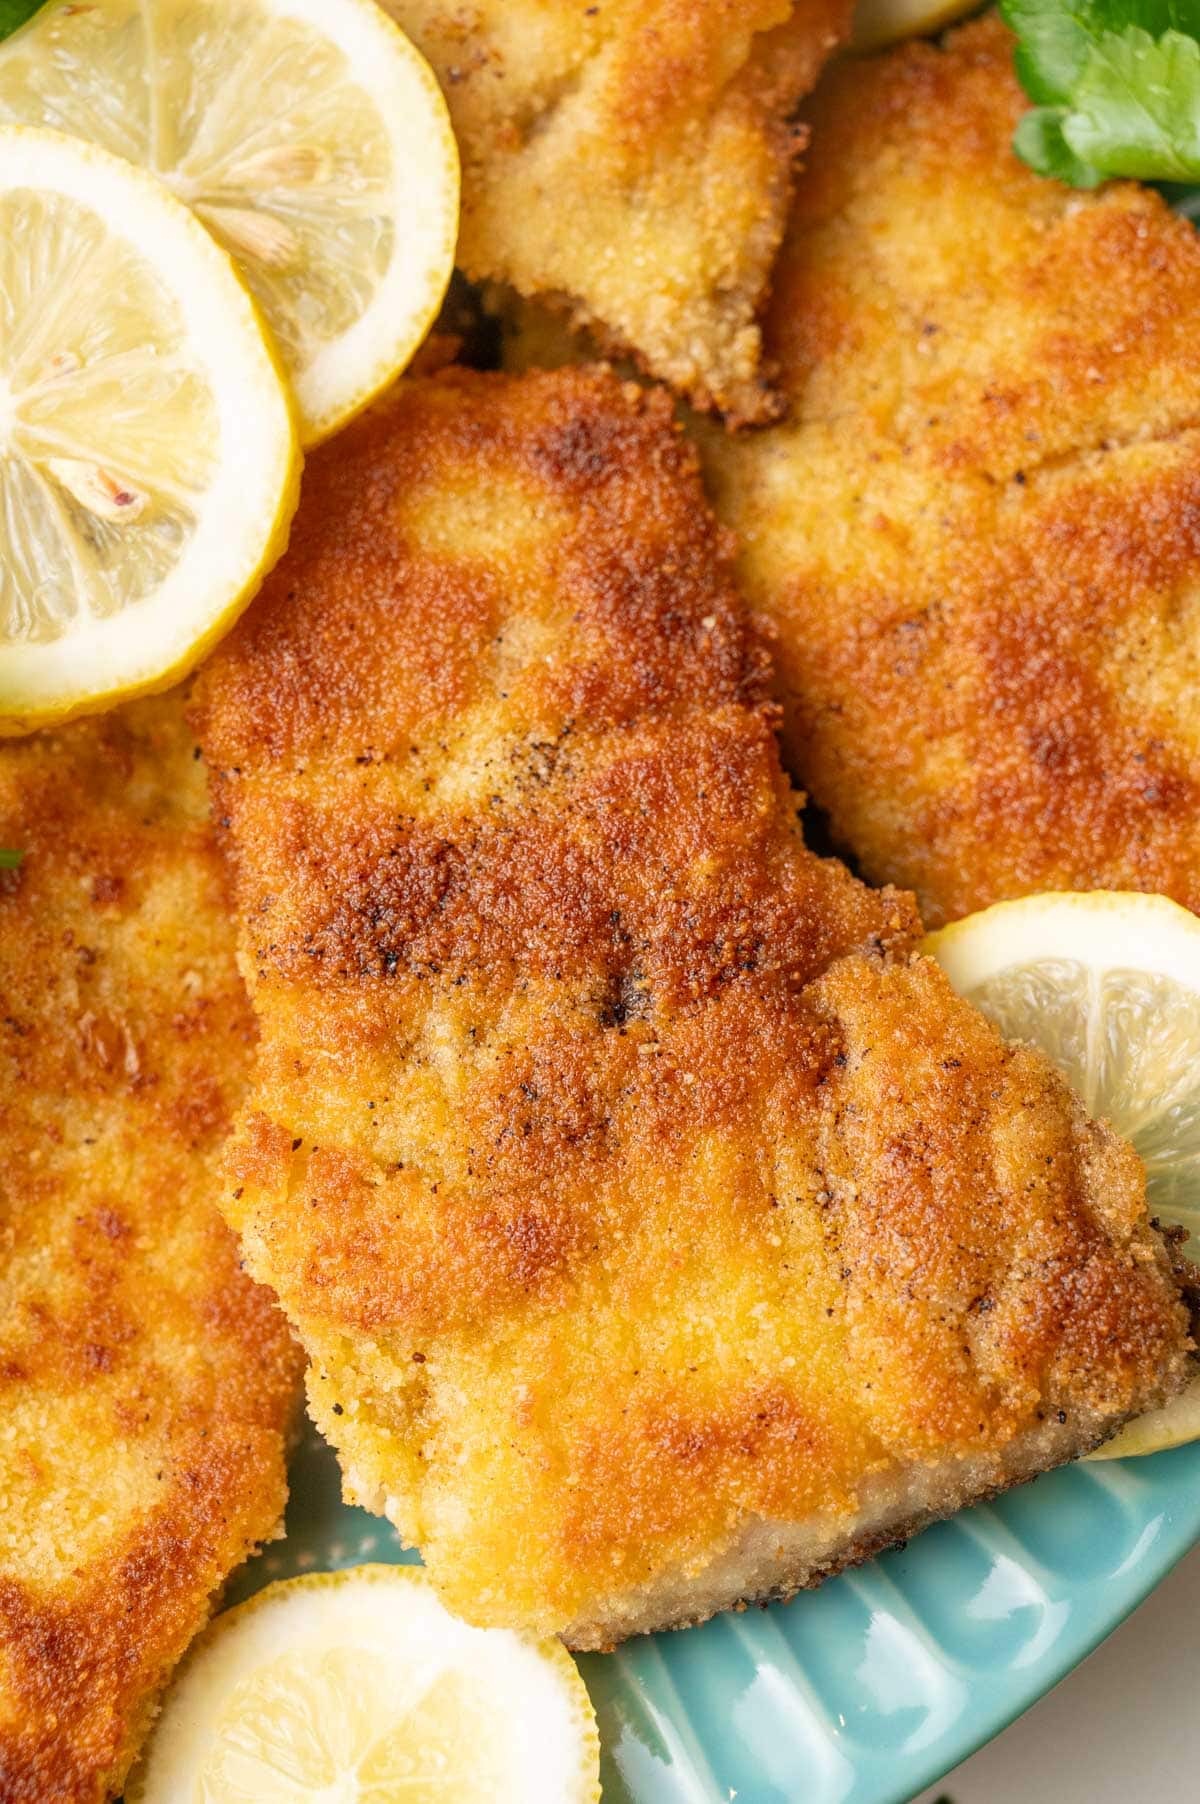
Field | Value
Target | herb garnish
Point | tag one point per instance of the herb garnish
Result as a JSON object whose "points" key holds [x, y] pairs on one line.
{"points": [[14, 13], [10, 860], [1115, 86]]}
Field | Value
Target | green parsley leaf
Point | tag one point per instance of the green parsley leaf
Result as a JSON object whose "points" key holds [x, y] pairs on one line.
{"points": [[1039, 140], [14, 13], [1052, 46], [10, 860], [1136, 107], [1116, 87]]}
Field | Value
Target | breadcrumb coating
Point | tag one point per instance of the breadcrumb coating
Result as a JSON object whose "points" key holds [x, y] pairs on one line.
{"points": [[632, 162], [148, 1385], [663, 1230], [978, 532]]}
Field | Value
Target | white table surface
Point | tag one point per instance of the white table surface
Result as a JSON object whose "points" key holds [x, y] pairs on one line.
{"points": [[1124, 1726]]}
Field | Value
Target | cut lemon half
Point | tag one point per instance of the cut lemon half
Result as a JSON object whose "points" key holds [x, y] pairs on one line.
{"points": [[148, 458], [1107, 984], [359, 1687], [308, 135], [878, 23]]}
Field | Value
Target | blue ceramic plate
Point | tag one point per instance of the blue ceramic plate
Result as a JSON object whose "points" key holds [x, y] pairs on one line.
{"points": [[866, 1691]]}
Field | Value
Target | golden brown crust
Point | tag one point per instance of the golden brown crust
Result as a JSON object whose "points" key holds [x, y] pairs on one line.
{"points": [[977, 534], [147, 1385], [632, 163], [630, 1179]]}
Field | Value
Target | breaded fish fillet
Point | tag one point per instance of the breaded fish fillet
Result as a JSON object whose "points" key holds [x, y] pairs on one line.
{"points": [[663, 1230], [633, 161], [146, 1385], [978, 534]]}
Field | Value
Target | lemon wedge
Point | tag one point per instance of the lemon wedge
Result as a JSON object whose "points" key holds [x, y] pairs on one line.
{"points": [[1107, 984], [308, 135], [359, 1687], [148, 459], [878, 23]]}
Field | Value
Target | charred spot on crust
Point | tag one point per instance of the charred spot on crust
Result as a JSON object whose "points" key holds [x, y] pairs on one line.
{"points": [[626, 998]]}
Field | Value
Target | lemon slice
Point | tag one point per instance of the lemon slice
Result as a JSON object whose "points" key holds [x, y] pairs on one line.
{"points": [[308, 135], [1108, 985], [148, 458], [359, 1687], [878, 23]]}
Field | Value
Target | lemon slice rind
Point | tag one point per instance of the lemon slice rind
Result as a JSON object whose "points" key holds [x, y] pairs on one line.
{"points": [[879, 23], [309, 136], [1108, 936], [1172, 1426], [1156, 936], [353, 369], [359, 1684], [243, 515]]}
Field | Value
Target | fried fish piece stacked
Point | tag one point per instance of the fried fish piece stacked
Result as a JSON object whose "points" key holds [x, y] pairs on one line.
{"points": [[978, 531], [632, 162], [663, 1230], [148, 1385]]}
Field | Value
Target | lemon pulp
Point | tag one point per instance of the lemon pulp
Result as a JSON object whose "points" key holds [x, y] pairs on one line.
{"points": [[308, 136], [1106, 984], [1129, 1041], [148, 458], [108, 432], [359, 1687], [878, 23]]}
